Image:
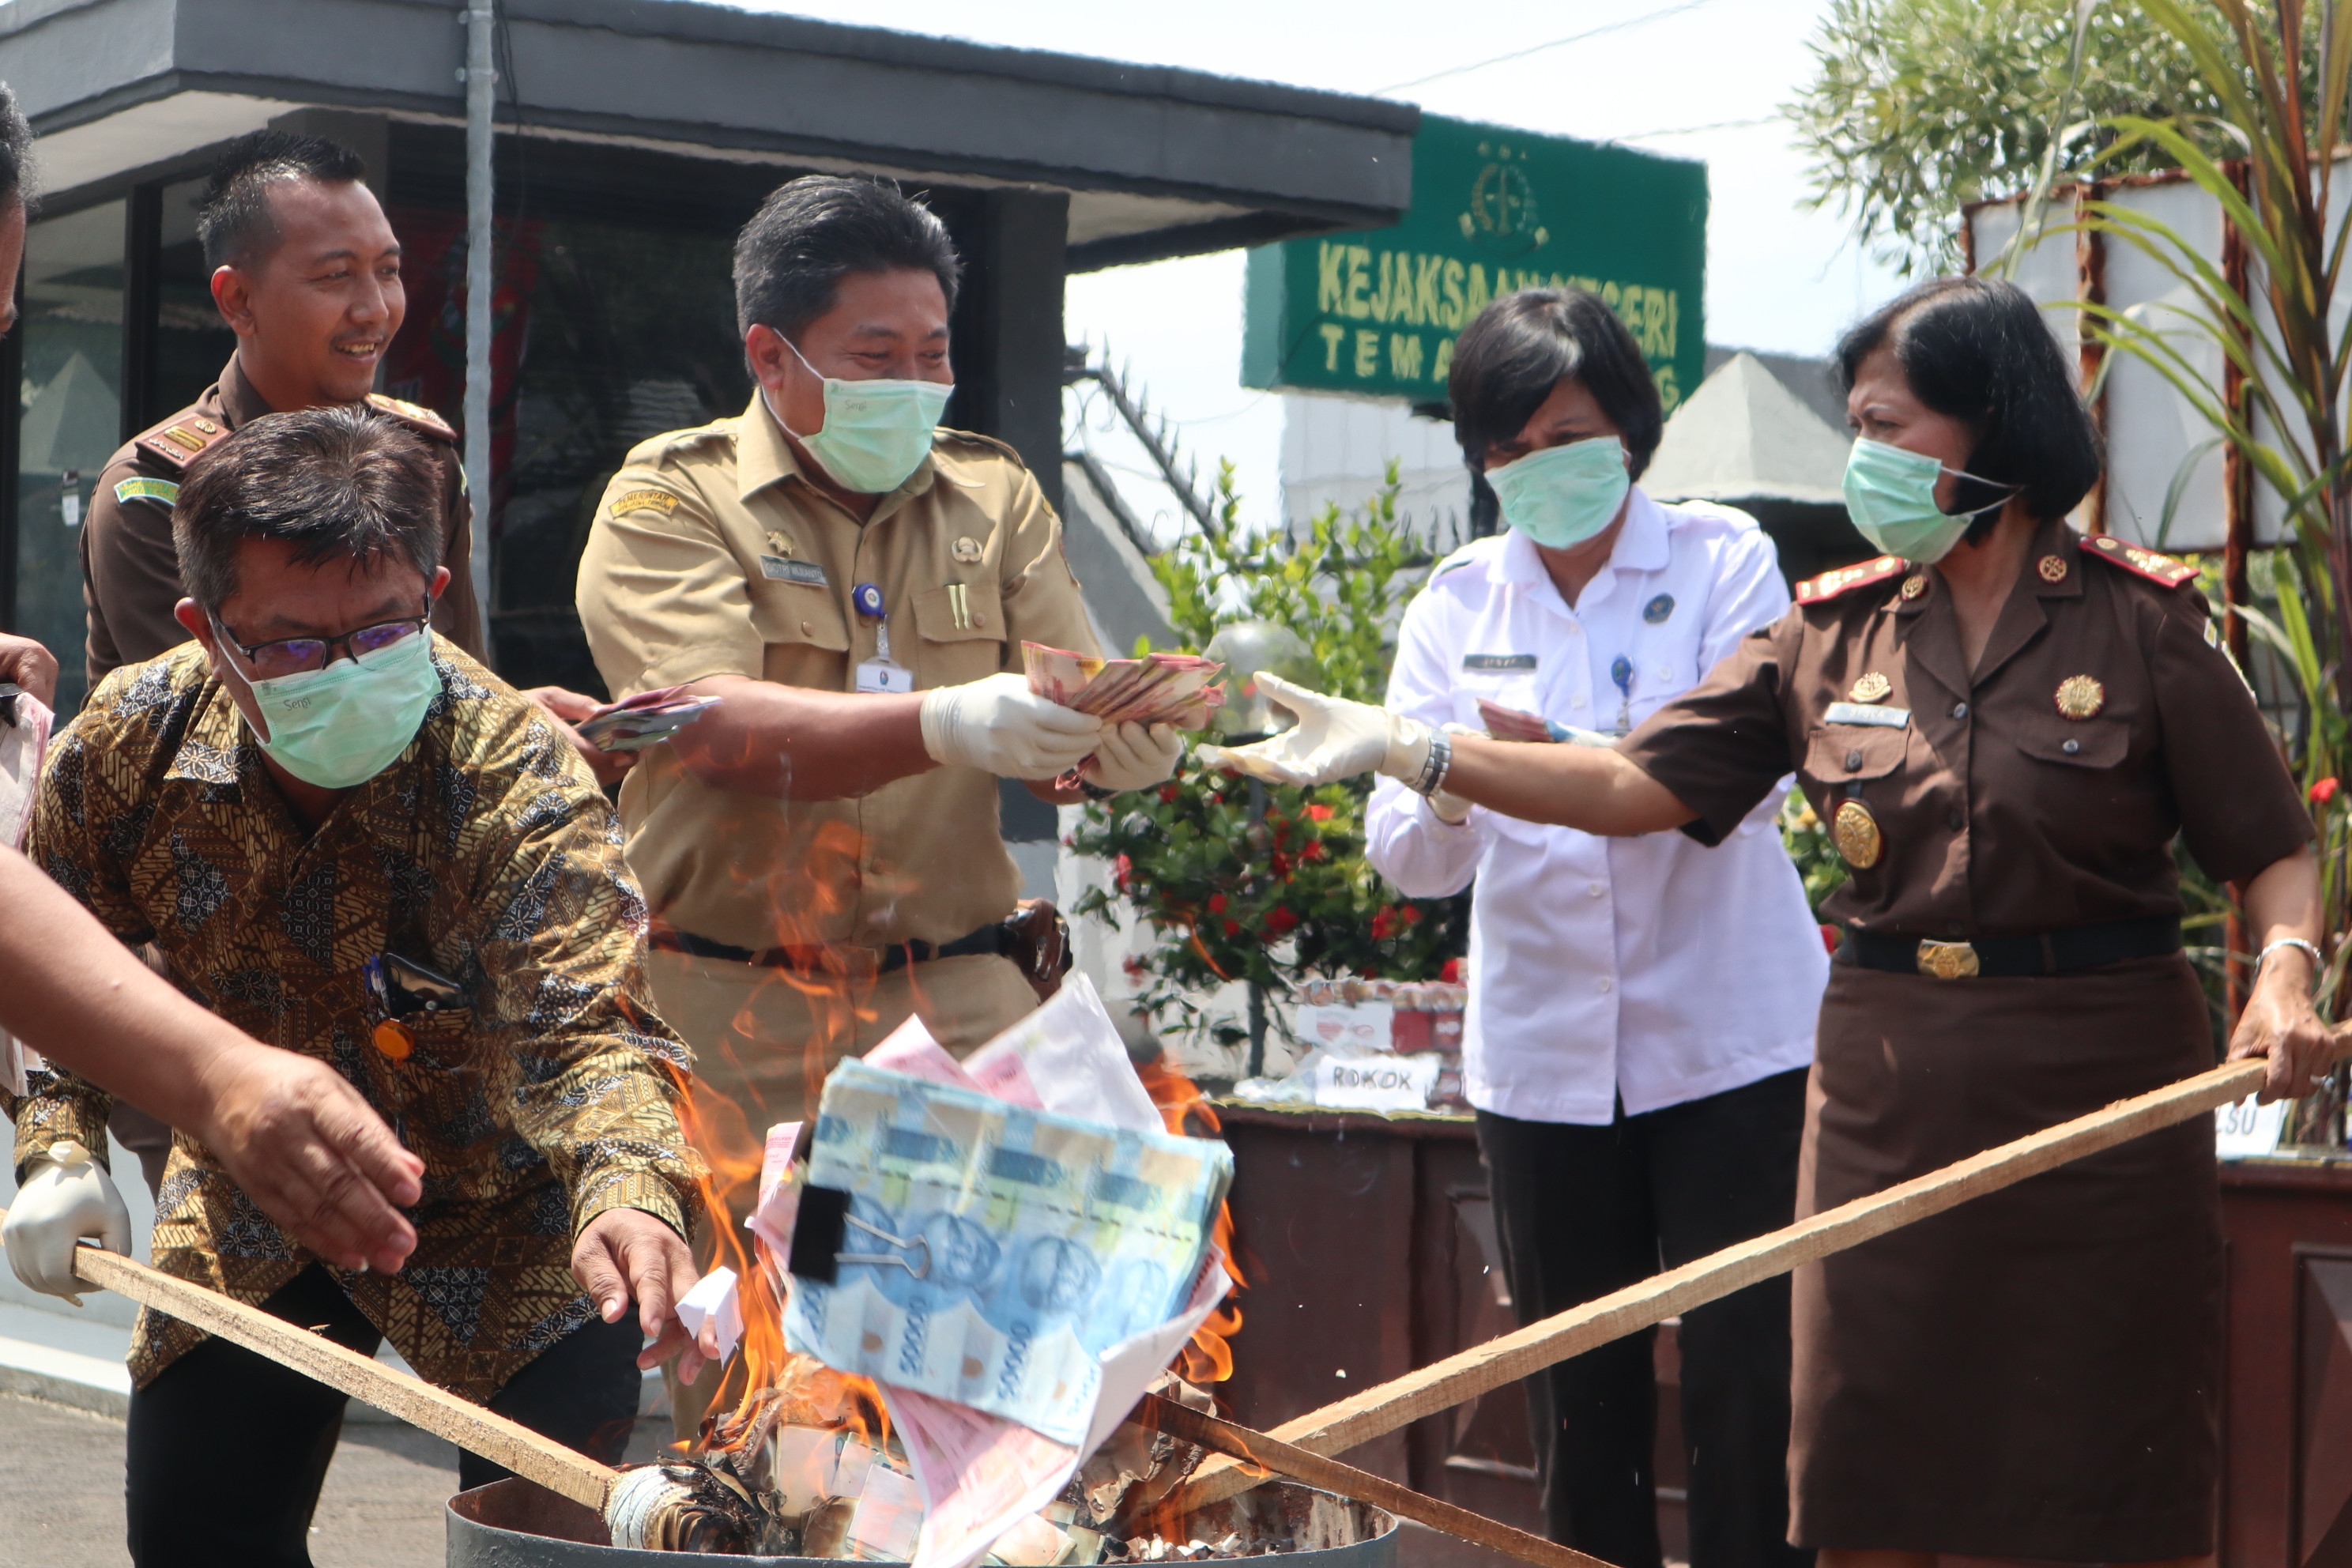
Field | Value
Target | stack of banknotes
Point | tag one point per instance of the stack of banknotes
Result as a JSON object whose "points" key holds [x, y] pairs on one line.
{"points": [[645, 720], [1157, 689]]}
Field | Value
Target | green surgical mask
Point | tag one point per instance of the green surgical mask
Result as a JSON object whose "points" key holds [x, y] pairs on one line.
{"points": [[344, 724], [1890, 495], [875, 432], [1564, 495]]}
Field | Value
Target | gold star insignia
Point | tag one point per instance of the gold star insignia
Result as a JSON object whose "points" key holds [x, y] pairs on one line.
{"points": [[1871, 688], [778, 543]]}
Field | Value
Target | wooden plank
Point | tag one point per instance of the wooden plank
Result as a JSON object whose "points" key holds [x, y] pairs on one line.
{"points": [[415, 1400], [1339, 1426], [1330, 1475]]}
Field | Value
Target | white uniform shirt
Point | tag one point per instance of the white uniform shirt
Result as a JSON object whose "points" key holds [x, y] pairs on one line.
{"points": [[1653, 968]]}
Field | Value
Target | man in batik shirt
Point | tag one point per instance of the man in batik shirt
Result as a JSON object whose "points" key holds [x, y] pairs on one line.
{"points": [[354, 842]]}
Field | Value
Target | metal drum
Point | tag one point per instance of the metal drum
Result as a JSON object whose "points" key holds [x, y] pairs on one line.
{"points": [[515, 1524]]}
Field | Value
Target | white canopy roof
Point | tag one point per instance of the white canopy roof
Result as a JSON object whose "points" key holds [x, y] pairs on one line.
{"points": [[1743, 436]]}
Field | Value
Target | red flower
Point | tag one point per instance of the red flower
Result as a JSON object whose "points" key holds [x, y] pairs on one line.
{"points": [[1452, 972], [1168, 792], [1830, 939], [1281, 864], [1121, 869], [1282, 918], [1319, 813], [1232, 928], [1383, 922], [1216, 903], [2323, 791], [1409, 913], [1311, 850]]}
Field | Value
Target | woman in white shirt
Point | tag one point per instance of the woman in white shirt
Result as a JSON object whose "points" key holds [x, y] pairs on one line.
{"points": [[1642, 1010]]}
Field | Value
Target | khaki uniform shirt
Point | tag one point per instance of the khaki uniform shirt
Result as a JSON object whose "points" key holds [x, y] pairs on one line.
{"points": [[713, 554], [485, 853], [131, 573], [2041, 790]]}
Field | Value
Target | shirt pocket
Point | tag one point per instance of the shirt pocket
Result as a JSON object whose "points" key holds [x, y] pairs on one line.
{"points": [[2095, 743], [1841, 759], [959, 635]]}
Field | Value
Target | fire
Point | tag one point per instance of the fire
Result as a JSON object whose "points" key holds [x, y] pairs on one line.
{"points": [[1210, 1357]]}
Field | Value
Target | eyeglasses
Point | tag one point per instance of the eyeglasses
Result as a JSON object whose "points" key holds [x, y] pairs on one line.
{"points": [[298, 656]]}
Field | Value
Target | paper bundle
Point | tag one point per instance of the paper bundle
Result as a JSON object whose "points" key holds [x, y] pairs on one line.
{"points": [[1024, 1255], [1157, 689]]}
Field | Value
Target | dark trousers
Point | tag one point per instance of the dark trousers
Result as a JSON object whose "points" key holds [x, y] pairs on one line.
{"points": [[1583, 1211], [226, 1449]]}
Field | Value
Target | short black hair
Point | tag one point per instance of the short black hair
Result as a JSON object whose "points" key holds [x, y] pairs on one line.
{"points": [[337, 484], [233, 216], [1979, 349], [16, 152], [813, 232], [1506, 361]]}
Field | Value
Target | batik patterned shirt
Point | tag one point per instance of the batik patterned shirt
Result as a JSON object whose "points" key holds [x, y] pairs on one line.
{"points": [[484, 853]]}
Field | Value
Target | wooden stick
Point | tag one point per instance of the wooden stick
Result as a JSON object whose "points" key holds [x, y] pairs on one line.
{"points": [[1331, 1476], [1441, 1385], [415, 1400]]}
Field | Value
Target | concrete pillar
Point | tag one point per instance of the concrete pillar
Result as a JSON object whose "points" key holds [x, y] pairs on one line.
{"points": [[1008, 326]]}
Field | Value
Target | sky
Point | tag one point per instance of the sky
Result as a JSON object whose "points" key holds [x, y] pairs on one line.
{"points": [[1696, 78]]}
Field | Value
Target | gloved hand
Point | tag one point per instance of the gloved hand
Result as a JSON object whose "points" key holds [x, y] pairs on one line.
{"points": [[1000, 726], [65, 1195], [1135, 756], [1334, 739]]}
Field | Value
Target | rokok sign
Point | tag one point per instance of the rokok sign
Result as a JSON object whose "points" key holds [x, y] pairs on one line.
{"points": [[1376, 313]]}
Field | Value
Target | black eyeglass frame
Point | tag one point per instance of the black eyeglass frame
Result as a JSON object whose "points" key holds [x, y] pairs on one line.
{"points": [[342, 640]]}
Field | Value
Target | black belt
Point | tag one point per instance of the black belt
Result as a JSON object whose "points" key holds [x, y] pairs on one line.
{"points": [[2003, 957], [994, 940]]}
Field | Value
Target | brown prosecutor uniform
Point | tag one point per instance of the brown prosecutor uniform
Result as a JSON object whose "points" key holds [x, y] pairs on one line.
{"points": [[130, 573], [2035, 1374]]}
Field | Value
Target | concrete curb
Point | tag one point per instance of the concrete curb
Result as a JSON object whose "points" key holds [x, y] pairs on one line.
{"points": [[64, 1378]]}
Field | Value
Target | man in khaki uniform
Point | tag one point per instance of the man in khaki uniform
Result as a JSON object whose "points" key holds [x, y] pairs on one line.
{"points": [[821, 852]]}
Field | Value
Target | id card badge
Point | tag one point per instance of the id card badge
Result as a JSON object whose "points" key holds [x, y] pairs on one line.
{"points": [[881, 673]]}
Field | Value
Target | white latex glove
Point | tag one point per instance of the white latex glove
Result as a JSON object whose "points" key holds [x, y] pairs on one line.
{"points": [[65, 1195], [1000, 726], [1334, 739], [1135, 757]]}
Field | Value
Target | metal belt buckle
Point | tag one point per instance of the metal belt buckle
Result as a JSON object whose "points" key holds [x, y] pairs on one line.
{"points": [[1948, 959]]}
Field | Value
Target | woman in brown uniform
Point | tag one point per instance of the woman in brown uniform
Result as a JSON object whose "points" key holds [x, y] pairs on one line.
{"points": [[2006, 732]]}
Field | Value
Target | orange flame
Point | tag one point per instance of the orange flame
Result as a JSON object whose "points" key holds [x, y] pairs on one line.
{"points": [[1208, 1358]]}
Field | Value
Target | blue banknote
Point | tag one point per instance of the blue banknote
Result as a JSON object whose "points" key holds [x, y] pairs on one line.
{"points": [[992, 1252]]}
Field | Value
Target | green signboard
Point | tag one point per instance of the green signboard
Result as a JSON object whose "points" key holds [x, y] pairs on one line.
{"points": [[1376, 313]]}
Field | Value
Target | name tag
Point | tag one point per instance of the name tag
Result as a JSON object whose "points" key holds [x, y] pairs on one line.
{"points": [[777, 569], [881, 674], [1867, 713], [1491, 663]]}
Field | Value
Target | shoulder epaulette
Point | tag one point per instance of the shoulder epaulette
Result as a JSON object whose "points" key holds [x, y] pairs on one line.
{"points": [[1845, 579], [974, 437], [177, 440], [415, 414], [2146, 563]]}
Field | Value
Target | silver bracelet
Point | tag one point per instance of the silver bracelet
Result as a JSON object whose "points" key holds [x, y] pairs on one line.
{"points": [[1435, 766], [2318, 964]]}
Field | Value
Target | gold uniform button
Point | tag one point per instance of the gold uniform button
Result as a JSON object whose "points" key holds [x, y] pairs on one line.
{"points": [[2081, 696], [1857, 835], [1914, 584], [780, 543], [2052, 568], [965, 550], [1871, 688]]}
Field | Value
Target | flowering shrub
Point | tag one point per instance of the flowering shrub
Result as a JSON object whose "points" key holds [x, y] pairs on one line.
{"points": [[1266, 884]]}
